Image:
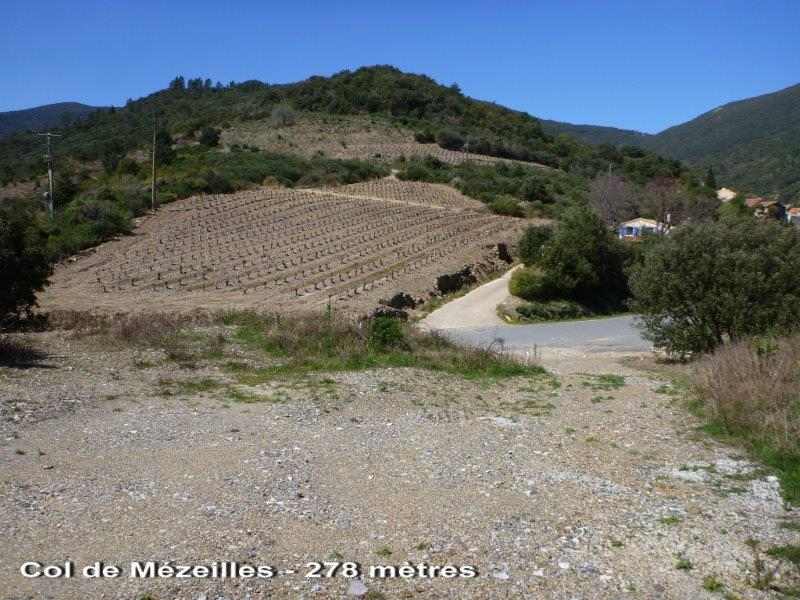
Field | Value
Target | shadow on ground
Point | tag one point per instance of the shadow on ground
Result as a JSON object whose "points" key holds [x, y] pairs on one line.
{"points": [[20, 354]]}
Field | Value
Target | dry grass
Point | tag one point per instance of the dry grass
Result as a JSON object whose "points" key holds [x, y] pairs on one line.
{"points": [[294, 345], [755, 388], [142, 328], [750, 391]]}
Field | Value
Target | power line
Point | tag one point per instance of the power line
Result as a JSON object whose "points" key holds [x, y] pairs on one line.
{"points": [[49, 157], [153, 176]]}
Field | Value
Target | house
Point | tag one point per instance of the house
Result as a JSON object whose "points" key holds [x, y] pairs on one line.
{"points": [[770, 209], [725, 194], [793, 216], [639, 227], [754, 202]]}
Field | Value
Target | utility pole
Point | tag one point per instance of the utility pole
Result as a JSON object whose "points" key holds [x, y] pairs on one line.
{"points": [[153, 178], [49, 157]]}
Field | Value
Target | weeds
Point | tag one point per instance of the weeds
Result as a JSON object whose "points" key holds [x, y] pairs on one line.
{"points": [[762, 578], [712, 584], [299, 346], [603, 382], [750, 392], [789, 553]]}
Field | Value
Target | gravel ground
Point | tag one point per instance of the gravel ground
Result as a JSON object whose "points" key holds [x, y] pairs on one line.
{"points": [[555, 487]]}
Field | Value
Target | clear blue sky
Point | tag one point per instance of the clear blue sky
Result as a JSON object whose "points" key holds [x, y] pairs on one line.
{"points": [[640, 64]]}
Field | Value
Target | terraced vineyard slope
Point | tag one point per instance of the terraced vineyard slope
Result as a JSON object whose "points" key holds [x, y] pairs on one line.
{"points": [[287, 250], [348, 137]]}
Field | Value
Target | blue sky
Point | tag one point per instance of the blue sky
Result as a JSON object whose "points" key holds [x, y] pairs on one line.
{"points": [[642, 65]]}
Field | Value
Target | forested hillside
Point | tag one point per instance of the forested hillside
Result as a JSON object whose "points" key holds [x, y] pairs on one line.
{"points": [[753, 145], [42, 117], [215, 138]]}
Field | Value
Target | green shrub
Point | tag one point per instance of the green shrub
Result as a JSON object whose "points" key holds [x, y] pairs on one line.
{"points": [[584, 262], [386, 332], [529, 284], [86, 222], [553, 310], [506, 205], [128, 166], [450, 140], [532, 242], [283, 116], [425, 136], [706, 284], [209, 137], [24, 264]]}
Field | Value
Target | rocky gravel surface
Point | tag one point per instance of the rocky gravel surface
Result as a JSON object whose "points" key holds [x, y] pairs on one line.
{"points": [[553, 487]]}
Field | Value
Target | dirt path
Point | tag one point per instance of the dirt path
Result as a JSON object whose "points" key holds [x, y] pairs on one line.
{"points": [[576, 487], [477, 309]]}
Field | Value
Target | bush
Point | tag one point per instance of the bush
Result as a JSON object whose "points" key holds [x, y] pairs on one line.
{"points": [[554, 310], [706, 284], [128, 166], [425, 137], [209, 137], [506, 205], [584, 262], [283, 116], [532, 242], [529, 284], [386, 332], [24, 264], [449, 140], [86, 222]]}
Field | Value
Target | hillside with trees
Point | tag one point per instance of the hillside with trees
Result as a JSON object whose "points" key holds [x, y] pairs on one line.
{"points": [[753, 145], [60, 114], [499, 156]]}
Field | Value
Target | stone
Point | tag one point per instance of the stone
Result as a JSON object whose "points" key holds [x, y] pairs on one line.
{"points": [[357, 588]]}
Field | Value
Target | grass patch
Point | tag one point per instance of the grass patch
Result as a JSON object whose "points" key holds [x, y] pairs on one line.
{"points": [[712, 584], [198, 386], [684, 564], [237, 395], [789, 553], [302, 346], [670, 520], [603, 382]]}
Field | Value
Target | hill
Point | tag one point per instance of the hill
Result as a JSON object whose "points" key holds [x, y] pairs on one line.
{"points": [[42, 117], [598, 134], [753, 144], [323, 131], [290, 250]]}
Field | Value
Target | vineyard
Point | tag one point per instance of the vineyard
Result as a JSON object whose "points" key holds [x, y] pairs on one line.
{"points": [[415, 192], [287, 250], [347, 138]]}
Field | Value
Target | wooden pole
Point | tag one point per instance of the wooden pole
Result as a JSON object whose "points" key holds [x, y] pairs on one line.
{"points": [[153, 176]]}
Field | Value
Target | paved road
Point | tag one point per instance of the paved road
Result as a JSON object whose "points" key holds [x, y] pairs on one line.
{"points": [[472, 319], [616, 334]]}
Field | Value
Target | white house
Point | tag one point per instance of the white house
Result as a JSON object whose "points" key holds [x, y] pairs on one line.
{"points": [[638, 227], [725, 194]]}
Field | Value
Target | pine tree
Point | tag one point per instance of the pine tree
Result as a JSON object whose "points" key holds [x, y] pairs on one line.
{"points": [[711, 181]]}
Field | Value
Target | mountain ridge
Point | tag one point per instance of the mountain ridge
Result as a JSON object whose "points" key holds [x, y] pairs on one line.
{"points": [[42, 117], [752, 144]]}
